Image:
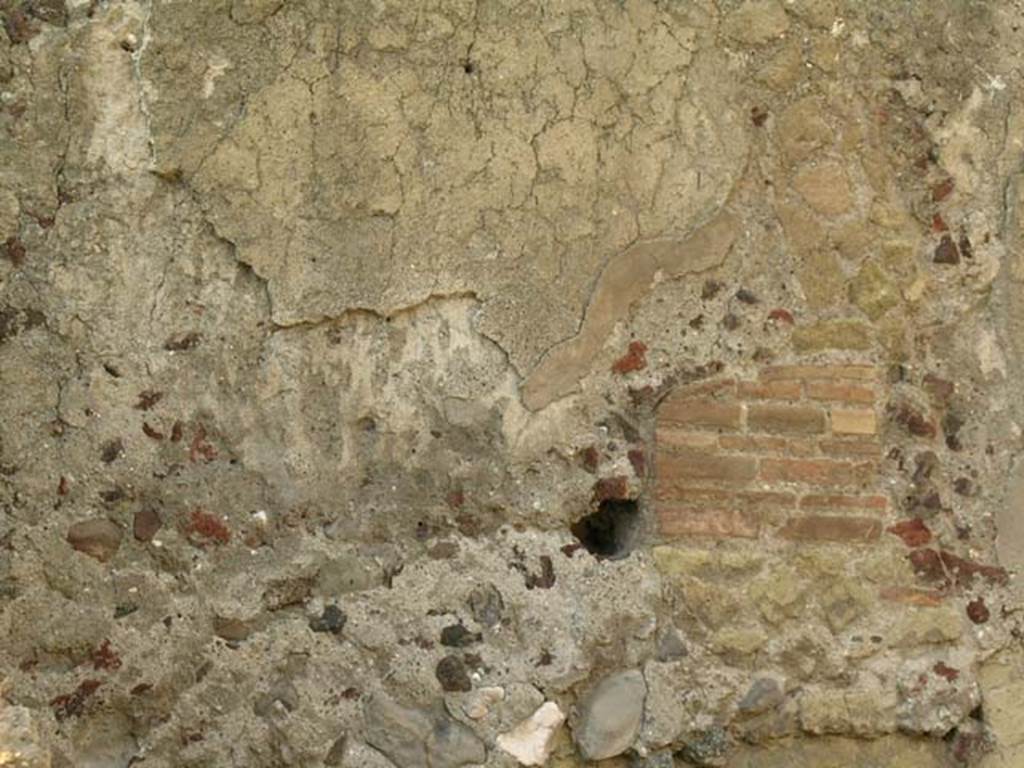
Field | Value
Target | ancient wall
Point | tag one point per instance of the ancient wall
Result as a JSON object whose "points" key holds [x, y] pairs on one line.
{"points": [[434, 383]]}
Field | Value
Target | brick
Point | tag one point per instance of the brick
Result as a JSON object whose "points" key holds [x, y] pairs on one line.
{"points": [[913, 532], [701, 412], [853, 372], [816, 471], [700, 497], [766, 499], [692, 465], [859, 421], [671, 439], [854, 448], [831, 528], [834, 501], [839, 391], [726, 522], [753, 443], [801, 447], [717, 388], [770, 390], [927, 598], [786, 418]]}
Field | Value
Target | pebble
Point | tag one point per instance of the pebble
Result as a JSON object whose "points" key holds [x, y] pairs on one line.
{"points": [[331, 620], [486, 605], [530, 742], [457, 636], [670, 645], [765, 693], [453, 675], [414, 738], [479, 704], [98, 538], [146, 524], [610, 716], [946, 252]]}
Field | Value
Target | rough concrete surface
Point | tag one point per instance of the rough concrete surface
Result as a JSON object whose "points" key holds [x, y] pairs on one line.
{"points": [[375, 376]]}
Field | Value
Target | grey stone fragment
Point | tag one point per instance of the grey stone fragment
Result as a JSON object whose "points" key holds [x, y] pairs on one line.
{"points": [[417, 738], [661, 759], [610, 716], [670, 645], [486, 605], [765, 693], [347, 573]]}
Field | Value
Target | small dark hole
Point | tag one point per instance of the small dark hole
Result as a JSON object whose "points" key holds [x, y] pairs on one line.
{"points": [[468, 67], [609, 532]]}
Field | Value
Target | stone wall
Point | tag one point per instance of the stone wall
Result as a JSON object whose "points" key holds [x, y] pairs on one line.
{"points": [[467, 382]]}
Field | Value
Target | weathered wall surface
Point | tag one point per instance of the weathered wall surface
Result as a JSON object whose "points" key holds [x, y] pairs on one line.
{"points": [[465, 382]]}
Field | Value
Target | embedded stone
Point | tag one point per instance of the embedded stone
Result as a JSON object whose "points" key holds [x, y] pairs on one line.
{"points": [[610, 715], [413, 738], [873, 292], [98, 538], [531, 741], [825, 188]]}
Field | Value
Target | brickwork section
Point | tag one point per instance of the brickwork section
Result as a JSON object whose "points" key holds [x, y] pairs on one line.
{"points": [[793, 454]]}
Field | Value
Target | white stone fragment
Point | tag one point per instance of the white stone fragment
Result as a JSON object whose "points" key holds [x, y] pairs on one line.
{"points": [[530, 742]]}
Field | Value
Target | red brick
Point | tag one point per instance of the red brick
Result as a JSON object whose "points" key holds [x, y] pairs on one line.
{"points": [[854, 421], [853, 372], [766, 499], [700, 497], [820, 501], [928, 598], [683, 521], [801, 447], [753, 443], [816, 471], [831, 528], [839, 391], [913, 532], [770, 390], [692, 465], [671, 438], [701, 412], [720, 388], [786, 418], [853, 448]]}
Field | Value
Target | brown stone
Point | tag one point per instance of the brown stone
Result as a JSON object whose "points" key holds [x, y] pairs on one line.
{"points": [[146, 524], [231, 629], [825, 188], [943, 566], [98, 538], [946, 251]]}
